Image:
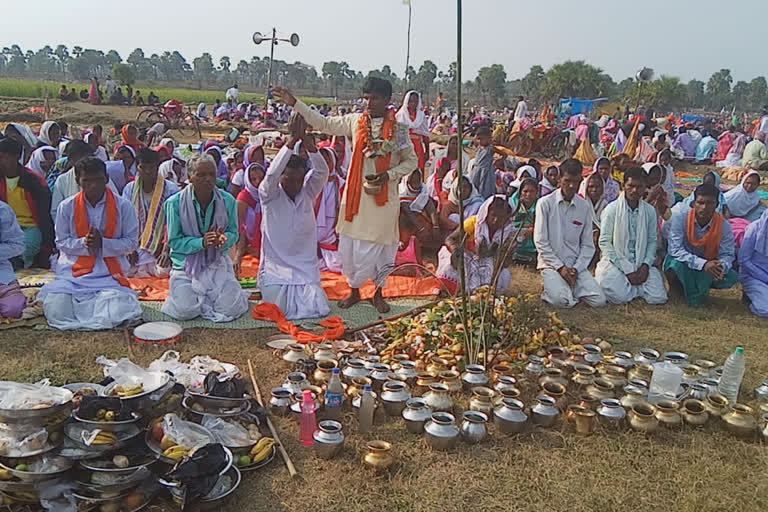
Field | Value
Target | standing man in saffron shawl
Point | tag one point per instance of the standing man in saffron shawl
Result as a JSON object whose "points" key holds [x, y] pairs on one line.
{"points": [[27, 193], [412, 115], [563, 236], [701, 249], [202, 226], [95, 230], [382, 149], [753, 263], [148, 194], [628, 246]]}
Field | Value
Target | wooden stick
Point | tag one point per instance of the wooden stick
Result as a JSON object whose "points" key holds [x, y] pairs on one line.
{"points": [[414, 311], [288, 462]]}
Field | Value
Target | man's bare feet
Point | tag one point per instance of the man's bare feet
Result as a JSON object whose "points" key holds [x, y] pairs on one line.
{"points": [[350, 301], [379, 303]]}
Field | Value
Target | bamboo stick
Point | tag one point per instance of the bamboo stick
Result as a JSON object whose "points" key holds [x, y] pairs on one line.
{"points": [[288, 462]]}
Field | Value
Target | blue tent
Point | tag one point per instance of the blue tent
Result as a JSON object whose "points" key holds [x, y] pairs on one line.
{"points": [[572, 106]]}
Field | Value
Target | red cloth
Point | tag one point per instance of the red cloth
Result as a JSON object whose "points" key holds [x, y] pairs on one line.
{"points": [[334, 325]]}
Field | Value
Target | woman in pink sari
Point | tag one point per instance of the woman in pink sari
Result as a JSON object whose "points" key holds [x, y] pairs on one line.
{"points": [[724, 143], [93, 93]]}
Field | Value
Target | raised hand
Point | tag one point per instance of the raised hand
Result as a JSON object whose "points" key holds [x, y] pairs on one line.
{"points": [[284, 95]]}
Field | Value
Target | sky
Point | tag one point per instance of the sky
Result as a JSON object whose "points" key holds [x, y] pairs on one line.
{"points": [[674, 37]]}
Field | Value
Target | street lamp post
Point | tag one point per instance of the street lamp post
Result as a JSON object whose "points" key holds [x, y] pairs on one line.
{"points": [[258, 38]]}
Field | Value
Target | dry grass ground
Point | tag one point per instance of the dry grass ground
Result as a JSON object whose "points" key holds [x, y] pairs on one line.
{"points": [[543, 470]]}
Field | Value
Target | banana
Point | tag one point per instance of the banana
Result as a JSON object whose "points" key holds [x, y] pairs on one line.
{"points": [[263, 453], [5, 474], [175, 452], [128, 392], [265, 443], [104, 438]]}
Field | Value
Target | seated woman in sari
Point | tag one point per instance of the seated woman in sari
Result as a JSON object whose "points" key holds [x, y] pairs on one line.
{"points": [[744, 199], [753, 263], [523, 204], [735, 152], [605, 169], [419, 222], [249, 216], [592, 188], [449, 213], [550, 181], [253, 154], [445, 164]]}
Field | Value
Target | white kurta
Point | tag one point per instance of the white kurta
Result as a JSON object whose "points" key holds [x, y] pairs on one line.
{"points": [[288, 273], [374, 231], [95, 300], [66, 186]]}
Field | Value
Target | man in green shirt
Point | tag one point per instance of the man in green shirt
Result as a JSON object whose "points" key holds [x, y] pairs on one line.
{"points": [[202, 226]]}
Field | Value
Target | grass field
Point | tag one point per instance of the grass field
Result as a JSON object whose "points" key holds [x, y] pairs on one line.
{"points": [[548, 469], [16, 88]]}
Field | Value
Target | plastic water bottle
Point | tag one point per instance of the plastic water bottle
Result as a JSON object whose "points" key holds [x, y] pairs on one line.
{"points": [[733, 372], [665, 382], [367, 405], [308, 419], [334, 397]]}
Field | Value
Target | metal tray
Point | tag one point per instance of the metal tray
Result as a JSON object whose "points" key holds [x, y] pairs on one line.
{"points": [[124, 436], [261, 464], [154, 447], [154, 392], [241, 408], [29, 476], [216, 402], [37, 416], [108, 426]]}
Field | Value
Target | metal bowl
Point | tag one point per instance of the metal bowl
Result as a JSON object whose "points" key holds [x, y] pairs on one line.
{"points": [[240, 407], [155, 390], [95, 466], [154, 447], [33, 486], [260, 464], [108, 426], [37, 416], [217, 502], [217, 402], [29, 476], [124, 436], [47, 447]]}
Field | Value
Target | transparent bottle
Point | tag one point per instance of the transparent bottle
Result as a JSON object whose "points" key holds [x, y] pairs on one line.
{"points": [[367, 407], [665, 382], [733, 372], [334, 396], [308, 419]]}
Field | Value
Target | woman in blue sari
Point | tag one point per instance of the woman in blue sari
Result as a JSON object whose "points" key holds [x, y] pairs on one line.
{"points": [[523, 203]]}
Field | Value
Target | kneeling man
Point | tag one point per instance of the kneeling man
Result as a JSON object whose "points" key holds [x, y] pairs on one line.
{"points": [[628, 246], [202, 226], [563, 236], [95, 230], [701, 248]]}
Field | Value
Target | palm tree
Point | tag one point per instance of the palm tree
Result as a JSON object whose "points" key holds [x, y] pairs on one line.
{"points": [[408, 51]]}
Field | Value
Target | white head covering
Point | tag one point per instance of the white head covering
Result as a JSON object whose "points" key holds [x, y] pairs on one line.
{"points": [[420, 125], [252, 189], [453, 195], [482, 232], [45, 133], [332, 153], [526, 171], [166, 171], [37, 157], [25, 132], [417, 198], [597, 209], [739, 201]]}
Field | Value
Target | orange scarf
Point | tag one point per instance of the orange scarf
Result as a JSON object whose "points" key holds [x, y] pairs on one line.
{"points": [[355, 176], [711, 241], [334, 325], [84, 264]]}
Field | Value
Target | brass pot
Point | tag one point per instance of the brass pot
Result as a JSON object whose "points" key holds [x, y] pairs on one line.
{"points": [[694, 413], [451, 379], [633, 395], [601, 388], [552, 375], [740, 420], [505, 392], [556, 391], [716, 404], [583, 375], [642, 418], [584, 420], [323, 371], [589, 402], [324, 352], [641, 371], [423, 380], [691, 373], [438, 399], [293, 352], [499, 370], [436, 365], [570, 413], [706, 367], [482, 400], [667, 413], [357, 385], [616, 375], [378, 456]]}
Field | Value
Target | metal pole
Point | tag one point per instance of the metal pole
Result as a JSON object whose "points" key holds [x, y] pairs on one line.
{"points": [[459, 177], [272, 43]]}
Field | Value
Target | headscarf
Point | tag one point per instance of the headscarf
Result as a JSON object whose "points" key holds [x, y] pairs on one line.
{"points": [[37, 157], [546, 184], [116, 168], [597, 209], [45, 136], [128, 140], [166, 171], [474, 196], [760, 228], [620, 234], [611, 186], [330, 151], [221, 172], [528, 170], [669, 181], [25, 131], [252, 189], [419, 197], [718, 180], [202, 110], [739, 201], [516, 202], [482, 232], [420, 125]]}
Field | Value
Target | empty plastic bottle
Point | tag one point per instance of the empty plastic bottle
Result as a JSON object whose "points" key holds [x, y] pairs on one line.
{"points": [[733, 372], [367, 406]]}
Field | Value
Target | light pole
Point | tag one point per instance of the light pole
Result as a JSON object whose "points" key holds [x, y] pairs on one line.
{"points": [[258, 38]]}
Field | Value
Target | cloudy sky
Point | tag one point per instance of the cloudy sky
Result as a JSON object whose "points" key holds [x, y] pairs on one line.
{"points": [[685, 38]]}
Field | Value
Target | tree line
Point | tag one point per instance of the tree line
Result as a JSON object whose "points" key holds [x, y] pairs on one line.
{"points": [[491, 86]]}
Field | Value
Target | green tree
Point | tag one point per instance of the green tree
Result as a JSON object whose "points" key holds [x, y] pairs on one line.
{"points": [[62, 58], [758, 93], [719, 89], [577, 79], [203, 67], [532, 84], [43, 61], [740, 95], [112, 58], [491, 81], [694, 94], [334, 74], [123, 73], [425, 78]]}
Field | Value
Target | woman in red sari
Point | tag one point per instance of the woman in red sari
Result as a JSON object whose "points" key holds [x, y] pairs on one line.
{"points": [[412, 115]]}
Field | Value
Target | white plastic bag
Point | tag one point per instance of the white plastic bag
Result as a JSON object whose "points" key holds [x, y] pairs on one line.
{"points": [[179, 431], [126, 373], [20, 396], [170, 361], [17, 441], [226, 433]]}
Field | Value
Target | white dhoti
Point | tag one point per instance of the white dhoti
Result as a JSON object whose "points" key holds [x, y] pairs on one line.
{"points": [[105, 309], [618, 290], [215, 295], [330, 261], [147, 266], [558, 293], [298, 301], [362, 260]]}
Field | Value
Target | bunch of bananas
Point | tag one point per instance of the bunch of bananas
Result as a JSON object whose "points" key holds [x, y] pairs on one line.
{"points": [[5, 474], [262, 449], [176, 452], [104, 438], [125, 391]]}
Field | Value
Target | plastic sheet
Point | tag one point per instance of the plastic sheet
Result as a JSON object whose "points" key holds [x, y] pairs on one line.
{"points": [[227, 433], [178, 430]]}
